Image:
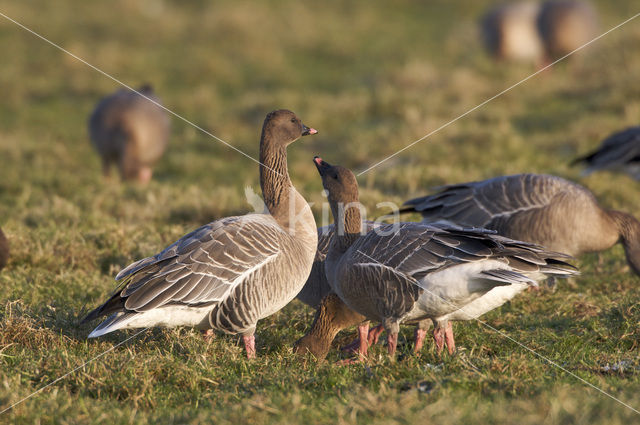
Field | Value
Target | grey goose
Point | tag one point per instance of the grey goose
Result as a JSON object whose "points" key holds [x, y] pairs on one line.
{"points": [[546, 210], [129, 131], [618, 152], [510, 32], [232, 272], [4, 250], [409, 272]]}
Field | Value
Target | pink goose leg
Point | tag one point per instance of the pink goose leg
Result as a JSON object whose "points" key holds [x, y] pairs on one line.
{"points": [[448, 337], [420, 335], [250, 345], [373, 337]]}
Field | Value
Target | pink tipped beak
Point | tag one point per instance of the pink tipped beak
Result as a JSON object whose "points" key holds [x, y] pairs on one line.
{"points": [[317, 160], [308, 130]]}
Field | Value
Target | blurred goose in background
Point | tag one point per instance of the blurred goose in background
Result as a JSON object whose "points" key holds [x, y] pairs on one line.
{"points": [[131, 132], [232, 272], [510, 32], [4, 250], [619, 152], [566, 25], [546, 210], [409, 272]]}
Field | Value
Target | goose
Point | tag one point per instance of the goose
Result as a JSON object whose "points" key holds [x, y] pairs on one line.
{"points": [[566, 25], [232, 272], [408, 272], [130, 131], [510, 32], [542, 209], [4, 250], [620, 151]]}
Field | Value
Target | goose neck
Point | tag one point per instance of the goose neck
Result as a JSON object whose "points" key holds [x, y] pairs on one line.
{"points": [[348, 221], [274, 174], [285, 204], [629, 229]]}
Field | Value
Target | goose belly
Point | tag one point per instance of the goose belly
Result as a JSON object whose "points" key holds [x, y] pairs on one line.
{"points": [[263, 293], [487, 302], [450, 289], [171, 316]]}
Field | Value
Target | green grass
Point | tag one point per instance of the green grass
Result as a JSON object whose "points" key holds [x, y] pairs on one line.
{"points": [[372, 77]]}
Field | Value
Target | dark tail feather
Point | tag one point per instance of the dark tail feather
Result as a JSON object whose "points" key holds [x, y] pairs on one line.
{"points": [[586, 158]]}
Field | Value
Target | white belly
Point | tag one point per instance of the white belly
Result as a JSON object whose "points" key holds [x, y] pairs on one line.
{"points": [[171, 316]]}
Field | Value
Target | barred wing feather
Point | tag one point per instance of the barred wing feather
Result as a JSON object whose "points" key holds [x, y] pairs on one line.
{"points": [[202, 267]]}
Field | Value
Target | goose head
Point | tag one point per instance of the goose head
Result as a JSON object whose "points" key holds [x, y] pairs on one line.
{"points": [[283, 127], [342, 192], [339, 182]]}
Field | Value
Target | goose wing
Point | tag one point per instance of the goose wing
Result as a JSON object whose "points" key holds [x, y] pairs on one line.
{"points": [[616, 150], [416, 250], [488, 202], [410, 256], [202, 267]]}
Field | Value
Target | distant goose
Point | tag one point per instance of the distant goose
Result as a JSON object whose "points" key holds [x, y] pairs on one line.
{"points": [[232, 272], [4, 250], [419, 271], [129, 131], [566, 25], [620, 151], [547, 210], [510, 32]]}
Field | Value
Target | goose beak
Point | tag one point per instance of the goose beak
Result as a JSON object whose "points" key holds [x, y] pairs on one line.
{"points": [[306, 131], [321, 165]]}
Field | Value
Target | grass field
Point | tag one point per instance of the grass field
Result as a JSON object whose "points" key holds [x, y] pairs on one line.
{"points": [[371, 77]]}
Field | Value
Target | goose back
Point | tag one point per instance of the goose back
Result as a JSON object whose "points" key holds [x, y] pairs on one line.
{"points": [[547, 210], [619, 152]]}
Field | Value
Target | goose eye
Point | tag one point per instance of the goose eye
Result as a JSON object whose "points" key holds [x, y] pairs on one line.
{"points": [[335, 176], [293, 120]]}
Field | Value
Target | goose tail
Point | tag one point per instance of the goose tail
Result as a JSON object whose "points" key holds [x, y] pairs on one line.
{"points": [[112, 323]]}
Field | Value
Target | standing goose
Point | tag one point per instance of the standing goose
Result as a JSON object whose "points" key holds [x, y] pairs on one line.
{"points": [[566, 25], [510, 32], [131, 132], [620, 151], [4, 250], [547, 210], [232, 272], [409, 272]]}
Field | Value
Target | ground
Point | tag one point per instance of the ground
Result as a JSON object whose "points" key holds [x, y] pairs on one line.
{"points": [[371, 77]]}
